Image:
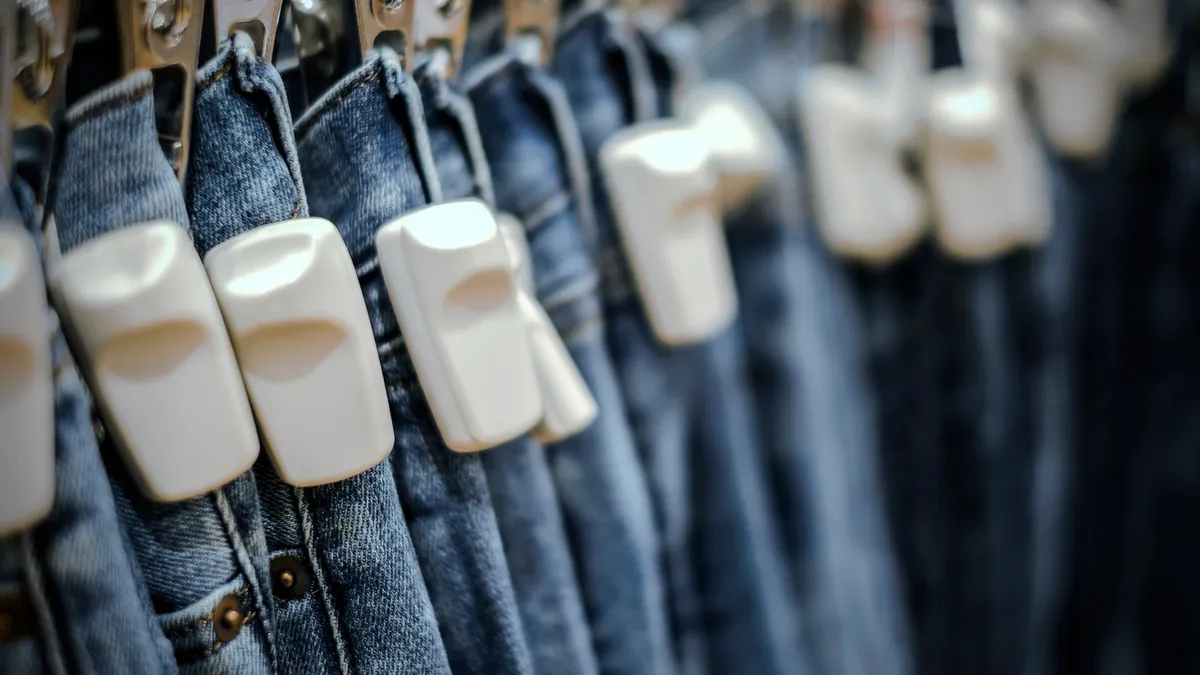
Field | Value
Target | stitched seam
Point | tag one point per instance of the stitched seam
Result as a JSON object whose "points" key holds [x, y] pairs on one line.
{"points": [[235, 539], [102, 108], [319, 580], [225, 70], [302, 132]]}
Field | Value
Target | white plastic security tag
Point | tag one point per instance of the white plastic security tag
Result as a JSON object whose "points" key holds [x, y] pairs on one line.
{"points": [[567, 403], [147, 327], [1077, 74], [969, 166], [448, 274], [745, 149], [868, 208], [303, 340], [663, 191], [26, 385]]}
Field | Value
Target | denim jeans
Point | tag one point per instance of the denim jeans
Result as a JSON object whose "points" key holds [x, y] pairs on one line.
{"points": [[811, 396], [366, 160], [359, 602], [731, 600], [72, 596], [541, 178], [523, 494], [200, 552]]}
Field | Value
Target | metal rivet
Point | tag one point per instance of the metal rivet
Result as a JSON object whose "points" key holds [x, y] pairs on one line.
{"points": [[228, 618], [289, 578]]}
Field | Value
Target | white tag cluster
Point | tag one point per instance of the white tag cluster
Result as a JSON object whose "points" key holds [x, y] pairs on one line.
{"points": [[26, 385]]}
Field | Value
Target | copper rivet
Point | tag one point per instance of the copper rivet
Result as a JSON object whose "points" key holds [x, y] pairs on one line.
{"points": [[232, 617], [286, 578]]}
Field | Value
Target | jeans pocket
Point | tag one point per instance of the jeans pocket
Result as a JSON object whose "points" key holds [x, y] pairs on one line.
{"points": [[218, 634]]}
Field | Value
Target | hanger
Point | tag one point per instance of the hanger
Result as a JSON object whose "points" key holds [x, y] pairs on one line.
{"points": [[257, 18], [386, 23], [37, 79], [440, 29], [163, 36], [533, 23]]}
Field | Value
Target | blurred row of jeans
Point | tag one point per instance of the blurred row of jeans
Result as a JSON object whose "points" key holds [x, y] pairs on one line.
{"points": [[933, 465]]}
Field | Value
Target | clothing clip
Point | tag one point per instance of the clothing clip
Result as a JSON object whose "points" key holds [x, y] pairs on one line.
{"points": [[451, 283], [163, 36], [295, 314], [442, 25], [140, 311], [26, 383], [257, 18], [527, 19], [568, 405], [386, 23], [663, 191], [40, 66], [744, 145]]}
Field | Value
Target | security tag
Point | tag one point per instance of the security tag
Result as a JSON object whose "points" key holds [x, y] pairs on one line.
{"points": [[567, 403], [978, 163], [26, 385], [1077, 74], [448, 274], [663, 191], [147, 327], [745, 147], [867, 207], [304, 344]]}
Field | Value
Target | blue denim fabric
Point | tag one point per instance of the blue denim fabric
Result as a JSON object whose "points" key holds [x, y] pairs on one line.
{"points": [[811, 395], [541, 177], [523, 495], [731, 599], [366, 160], [70, 590], [193, 554], [361, 605]]}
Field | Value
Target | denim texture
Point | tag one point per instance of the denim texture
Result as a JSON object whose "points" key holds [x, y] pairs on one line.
{"points": [[810, 389], [523, 494], [731, 600], [69, 585], [365, 609], [541, 177], [196, 553], [366, 160]]}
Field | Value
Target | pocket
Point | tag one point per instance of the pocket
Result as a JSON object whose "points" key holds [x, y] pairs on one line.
{"points": [[220, 633]]}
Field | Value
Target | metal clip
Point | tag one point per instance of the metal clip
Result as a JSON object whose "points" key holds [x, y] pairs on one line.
{"points": [[163, 36], [537, 18], [257, 18], [8, 51], [386, 23], [442, 24], [45, 34]]}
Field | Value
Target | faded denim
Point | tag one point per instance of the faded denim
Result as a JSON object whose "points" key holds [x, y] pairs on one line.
{"points": [[541, 177], [360, 605], [69, 586], [522, 489], [366, 160], [730, 597]]}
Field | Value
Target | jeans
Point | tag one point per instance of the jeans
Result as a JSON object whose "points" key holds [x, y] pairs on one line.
{"points": [[201, 552], [366, 160], [72, 596], [359, 602], [731, 601], [541, 178], [518, 475], [809, 383]]}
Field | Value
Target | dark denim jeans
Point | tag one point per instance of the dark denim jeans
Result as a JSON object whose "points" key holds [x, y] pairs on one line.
{"points": [[731, 600], [71, 594], [366, 160], [359, 602], [196, 553], [541, 178], [809, 382], [523, 494]]}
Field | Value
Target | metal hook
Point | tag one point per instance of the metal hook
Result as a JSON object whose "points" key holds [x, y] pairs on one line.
{"points": [[257, 18], [163, 36], [442, 24], [386, 23], [538, 18]]}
